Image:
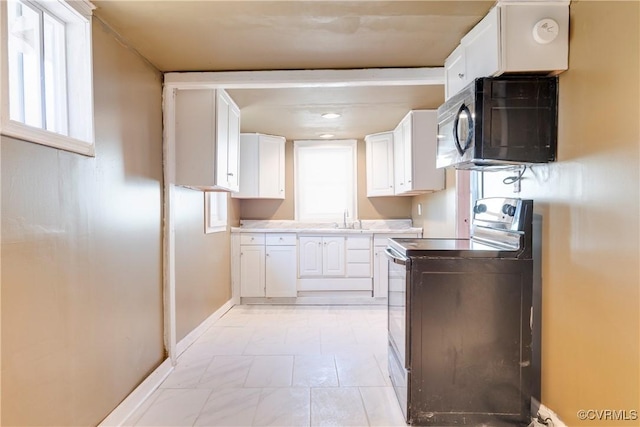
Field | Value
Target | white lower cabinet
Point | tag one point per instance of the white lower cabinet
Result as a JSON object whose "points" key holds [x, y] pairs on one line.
{"points": [[333, 256], [359, 256], [267, 271], [335, 264], [252, 273], [280, 271], [284, 265], [381, 264], [380, 272], [310, 259], [321, 256]]}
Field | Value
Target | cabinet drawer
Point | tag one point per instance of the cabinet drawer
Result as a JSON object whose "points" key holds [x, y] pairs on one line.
{"points": [[252, 238], [358, 242], [359, 270], [358, 256], [286, 239]]}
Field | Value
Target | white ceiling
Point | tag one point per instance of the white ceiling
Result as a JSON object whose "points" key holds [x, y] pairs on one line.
{"points": [[301, 34]]}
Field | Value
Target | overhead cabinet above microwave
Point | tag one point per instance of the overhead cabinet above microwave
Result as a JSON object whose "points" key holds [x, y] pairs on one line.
{"points": [[529, 38], [207, 133]]}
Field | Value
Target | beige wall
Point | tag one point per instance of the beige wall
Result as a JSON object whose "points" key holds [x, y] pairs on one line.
{"points": [[203, 262], [82, 255], [438, 217], [590, 204], [368, 208]]}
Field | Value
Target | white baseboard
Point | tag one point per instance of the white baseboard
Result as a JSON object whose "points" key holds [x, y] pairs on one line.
{"points": [[126, 408], [329, 299], [202, 327], [546, 413]]}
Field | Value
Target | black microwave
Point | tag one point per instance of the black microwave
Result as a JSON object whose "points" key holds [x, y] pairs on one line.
{"points": [[498, 121]]}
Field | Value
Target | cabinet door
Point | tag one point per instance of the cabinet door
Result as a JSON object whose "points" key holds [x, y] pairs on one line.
{"points": [[380, 273], [310, 256], [271, 167], [481, 47], [398, 163], [222, 139], [333, 256], [380, 165], [407, 149], [252, 279], [455, 72], [280, 271], [249, 180], [424, 140], [233, 145]]}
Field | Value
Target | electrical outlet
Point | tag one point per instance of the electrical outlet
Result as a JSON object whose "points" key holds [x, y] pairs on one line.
{"points": [[419, 209]]}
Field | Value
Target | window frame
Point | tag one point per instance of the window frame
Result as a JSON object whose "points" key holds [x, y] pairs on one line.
{"points": [[298, 210], [77, 16], [212, 201]]}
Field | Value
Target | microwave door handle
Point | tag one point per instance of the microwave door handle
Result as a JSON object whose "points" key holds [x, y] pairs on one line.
{"points": [[456, 138]]}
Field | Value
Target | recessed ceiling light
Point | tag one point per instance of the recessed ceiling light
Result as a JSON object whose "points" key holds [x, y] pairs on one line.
{"points": [[331, 115], [326, 135]]}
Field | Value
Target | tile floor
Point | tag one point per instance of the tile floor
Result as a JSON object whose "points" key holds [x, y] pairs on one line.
{"points": [[281, 366]]}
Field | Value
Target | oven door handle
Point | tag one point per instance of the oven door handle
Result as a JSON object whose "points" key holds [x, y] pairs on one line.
{"points": [[395, 256]]}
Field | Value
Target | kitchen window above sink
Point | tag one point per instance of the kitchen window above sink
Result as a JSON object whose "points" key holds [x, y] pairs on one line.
{"points": [[325, 181]]}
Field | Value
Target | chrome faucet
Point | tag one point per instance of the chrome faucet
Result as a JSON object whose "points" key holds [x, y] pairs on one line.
{"points": [[344, 218]]}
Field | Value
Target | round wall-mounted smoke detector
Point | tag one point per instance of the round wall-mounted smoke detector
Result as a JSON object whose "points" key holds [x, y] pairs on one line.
{"points": [[545, 31]]}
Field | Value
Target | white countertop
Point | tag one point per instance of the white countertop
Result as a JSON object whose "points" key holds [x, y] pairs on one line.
{"points": [[368, 227]]}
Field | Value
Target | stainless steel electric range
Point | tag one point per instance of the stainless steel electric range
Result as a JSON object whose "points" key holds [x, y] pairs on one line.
{"points": [[460, 321]]}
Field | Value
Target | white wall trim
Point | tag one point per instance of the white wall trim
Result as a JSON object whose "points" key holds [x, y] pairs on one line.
{"points": [[169, 258], [463, 203], [306, 78], [235, 268], [193, 336], [137, 397], [544, 412], [0, 272]]}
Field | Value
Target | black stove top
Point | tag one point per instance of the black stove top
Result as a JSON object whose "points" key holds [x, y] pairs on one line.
{"points": [[501, 228], [454, 248]]}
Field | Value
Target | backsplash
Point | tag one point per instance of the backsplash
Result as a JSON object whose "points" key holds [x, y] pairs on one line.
{"points": [[369, 224]]}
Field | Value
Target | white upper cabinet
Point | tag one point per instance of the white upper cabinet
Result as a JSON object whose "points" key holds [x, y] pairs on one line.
{"points": [[414, 154], [261, 167], [379, 155], [455, 72], [207, 133], [511, 38]]}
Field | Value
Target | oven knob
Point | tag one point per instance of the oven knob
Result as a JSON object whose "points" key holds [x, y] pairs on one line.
{"points": [[480, 208], [509, 210]]}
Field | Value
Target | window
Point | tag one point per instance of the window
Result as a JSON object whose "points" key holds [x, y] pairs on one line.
{"points": [[325, 180], [215, 212], [47, 83]]}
